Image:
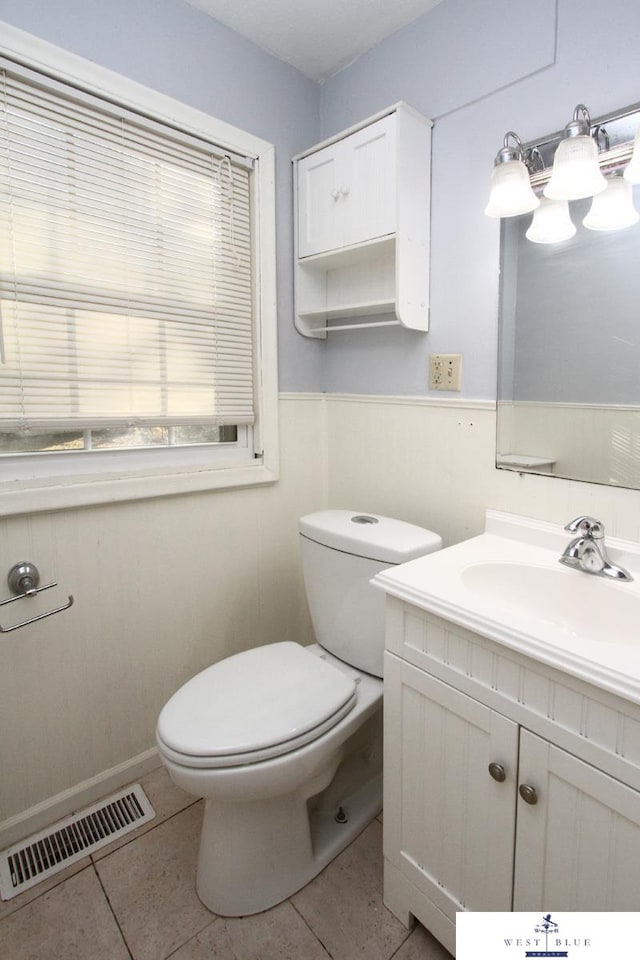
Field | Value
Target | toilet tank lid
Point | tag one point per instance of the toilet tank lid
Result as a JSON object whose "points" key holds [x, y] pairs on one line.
{"points": [[369, 535]]}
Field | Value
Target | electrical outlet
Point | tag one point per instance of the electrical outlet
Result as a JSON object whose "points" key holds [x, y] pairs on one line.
{"points": [[445, 371]]}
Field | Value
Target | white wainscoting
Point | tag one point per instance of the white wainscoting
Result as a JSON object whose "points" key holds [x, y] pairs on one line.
{"points": [[162, 588], [432, 462], [166, 586]]}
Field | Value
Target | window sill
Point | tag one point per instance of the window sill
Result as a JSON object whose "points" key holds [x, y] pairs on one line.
{"points": [[38, 496]]}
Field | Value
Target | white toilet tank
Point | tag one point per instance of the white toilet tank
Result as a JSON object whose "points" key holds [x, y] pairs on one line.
{"points": [[341, 552]]}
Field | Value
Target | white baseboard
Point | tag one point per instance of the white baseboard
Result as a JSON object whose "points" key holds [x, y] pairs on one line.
{"points": [[65, 803]]}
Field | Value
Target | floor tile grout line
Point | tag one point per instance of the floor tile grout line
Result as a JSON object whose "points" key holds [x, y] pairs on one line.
{"points": [[160, 823], [113, 913], [401, 945], [131, 838], [210, 923], [310, 928], [53, 886], [188, 940], [94, 863]]}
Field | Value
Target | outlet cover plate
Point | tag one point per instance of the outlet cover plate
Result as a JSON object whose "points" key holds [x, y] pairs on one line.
{"points": [[445, 371]]}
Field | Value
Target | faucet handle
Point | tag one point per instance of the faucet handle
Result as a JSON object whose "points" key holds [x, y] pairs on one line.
{"points": [[586, 527]]}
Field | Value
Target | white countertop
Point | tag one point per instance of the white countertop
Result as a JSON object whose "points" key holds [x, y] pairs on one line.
{"points": [[508, 585]]}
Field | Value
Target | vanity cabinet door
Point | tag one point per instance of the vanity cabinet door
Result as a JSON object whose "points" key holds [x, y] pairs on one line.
{"points": [[347, 191], [578, 845], [449, 825]]}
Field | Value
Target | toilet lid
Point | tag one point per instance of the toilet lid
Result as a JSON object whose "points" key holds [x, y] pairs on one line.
{"points": [[253, 701]]}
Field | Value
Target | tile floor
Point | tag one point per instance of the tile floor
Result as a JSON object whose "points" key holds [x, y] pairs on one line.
{"points": [[136, 900]]}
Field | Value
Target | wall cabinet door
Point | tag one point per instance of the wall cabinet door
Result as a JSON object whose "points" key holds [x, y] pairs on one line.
{"points": [[319, 207], [578, 846], [449, 826], [347, 191]]}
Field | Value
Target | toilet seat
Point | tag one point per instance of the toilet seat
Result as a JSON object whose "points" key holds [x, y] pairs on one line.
{"points": [[254, 706]]}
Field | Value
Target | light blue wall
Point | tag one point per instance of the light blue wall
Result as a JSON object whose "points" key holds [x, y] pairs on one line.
{"points": [[178, 50], [478, 68]]}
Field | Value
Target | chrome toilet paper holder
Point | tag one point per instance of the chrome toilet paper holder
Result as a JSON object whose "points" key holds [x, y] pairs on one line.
{"points": [[24, 581]]}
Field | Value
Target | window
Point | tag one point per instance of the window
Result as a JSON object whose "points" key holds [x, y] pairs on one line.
{"points": [[131, 310]]}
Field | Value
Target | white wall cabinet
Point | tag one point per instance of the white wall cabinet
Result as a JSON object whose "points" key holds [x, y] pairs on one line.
{"points": [[347, 191], [508, 786], [362, 226]]}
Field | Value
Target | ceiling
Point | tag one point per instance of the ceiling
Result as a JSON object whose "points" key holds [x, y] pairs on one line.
{"points": [[319, 37]]}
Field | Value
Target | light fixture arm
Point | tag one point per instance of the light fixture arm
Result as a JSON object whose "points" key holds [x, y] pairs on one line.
{"points": [[578, 127], [601, 132], [508, 153], [534, 160]]}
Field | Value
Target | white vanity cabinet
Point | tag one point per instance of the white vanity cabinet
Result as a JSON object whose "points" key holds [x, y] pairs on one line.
{"points": [[362, 225], [509, 785]]}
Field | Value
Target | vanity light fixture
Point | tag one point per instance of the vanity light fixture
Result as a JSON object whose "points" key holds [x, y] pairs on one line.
{"points": [[551, 222], [613, 209], [510, 193], [587, 159], [576, 171], [632, 171]]}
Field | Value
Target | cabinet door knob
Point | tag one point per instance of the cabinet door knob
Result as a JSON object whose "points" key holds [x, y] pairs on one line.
{"points": [[528, 793], [497, 771], [335, 194], [344, 191]]}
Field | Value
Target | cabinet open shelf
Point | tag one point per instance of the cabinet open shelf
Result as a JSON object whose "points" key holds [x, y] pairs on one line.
{"points": [[347, 256], [366, 308], [337, 327]]}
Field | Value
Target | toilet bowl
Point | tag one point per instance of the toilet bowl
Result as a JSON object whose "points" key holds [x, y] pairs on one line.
{"points": [[284, 742]]}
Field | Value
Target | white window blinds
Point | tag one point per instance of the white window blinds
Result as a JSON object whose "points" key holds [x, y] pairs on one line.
{"points": [[125, 268]]}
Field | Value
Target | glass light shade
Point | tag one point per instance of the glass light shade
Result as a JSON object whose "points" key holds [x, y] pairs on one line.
{"points": [[613, 209], [510, 193], [551, 222], [576, 172], [632, 171]]}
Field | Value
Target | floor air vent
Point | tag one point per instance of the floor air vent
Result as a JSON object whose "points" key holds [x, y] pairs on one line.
{"points": [[63, 843]]}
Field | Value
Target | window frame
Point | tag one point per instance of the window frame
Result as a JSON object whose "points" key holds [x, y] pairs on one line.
{"points": [[33, 483]]}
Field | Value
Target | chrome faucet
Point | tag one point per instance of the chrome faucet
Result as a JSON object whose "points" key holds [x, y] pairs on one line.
{"points": [[587, 551]]}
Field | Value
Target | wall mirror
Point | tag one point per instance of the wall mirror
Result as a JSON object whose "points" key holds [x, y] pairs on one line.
{"points": [[569, 337]]}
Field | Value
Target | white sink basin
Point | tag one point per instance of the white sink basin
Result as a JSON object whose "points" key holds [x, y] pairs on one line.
{"points": [[589, 607], [508, 585]]}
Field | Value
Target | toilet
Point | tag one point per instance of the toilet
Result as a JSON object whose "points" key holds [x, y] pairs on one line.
{"points": [[284, 742]]}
